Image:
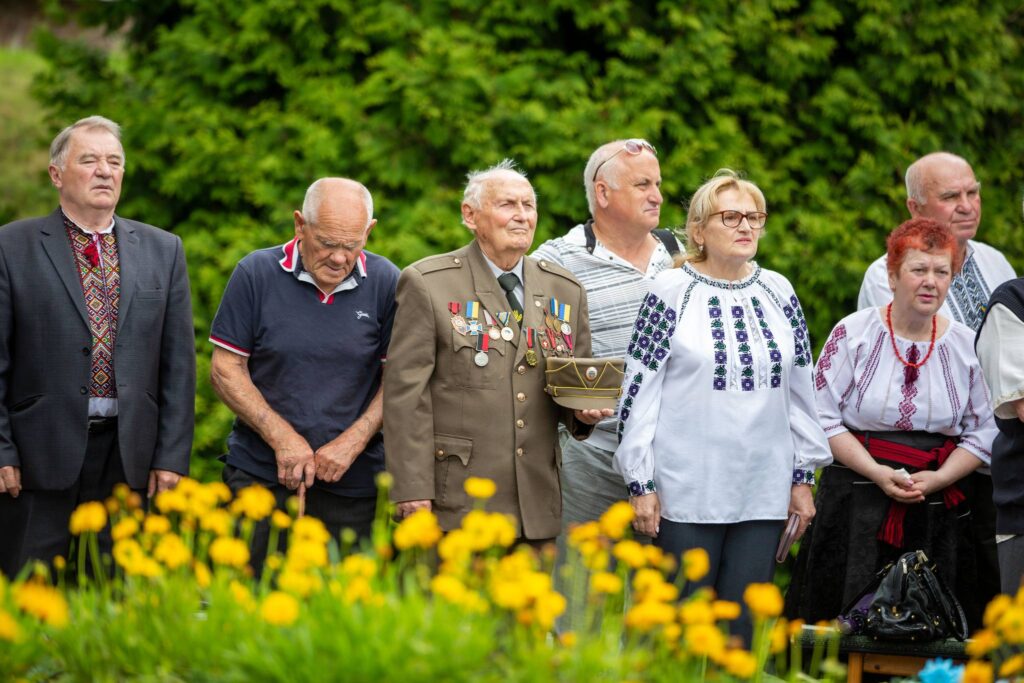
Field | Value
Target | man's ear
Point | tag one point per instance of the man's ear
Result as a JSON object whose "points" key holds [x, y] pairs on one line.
{"points": [[300, 223], [468, 216], [369, 228], [601, 193], [913, 207], [55, 176]]}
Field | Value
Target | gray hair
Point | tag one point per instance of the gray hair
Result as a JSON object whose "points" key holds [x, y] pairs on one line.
{"points": [[59, 146], [475, 181], [917, 174], [602, 160], [315, 195]]}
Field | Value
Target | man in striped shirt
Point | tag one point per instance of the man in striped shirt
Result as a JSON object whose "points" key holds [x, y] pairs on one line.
{"points": [[614, 255]]}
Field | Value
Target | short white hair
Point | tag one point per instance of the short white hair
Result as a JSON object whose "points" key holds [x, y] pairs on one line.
{"points": [[59, 146], [917, 174], [475, 180], [315, 195]]}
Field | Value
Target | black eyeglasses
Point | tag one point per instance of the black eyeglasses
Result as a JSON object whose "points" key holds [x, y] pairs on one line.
{"points": [[732, 219], [632, 147]]}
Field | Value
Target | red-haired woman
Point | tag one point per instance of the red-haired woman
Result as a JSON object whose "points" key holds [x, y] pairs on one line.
{"points": [[901, 396]]}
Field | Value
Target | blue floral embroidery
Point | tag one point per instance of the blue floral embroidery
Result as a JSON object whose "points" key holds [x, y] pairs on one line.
{"points": [[718, 334], [652, 333], [746, 358], [627, 401], [803, 477], [801, 338], [640, 488], [774, 355]]}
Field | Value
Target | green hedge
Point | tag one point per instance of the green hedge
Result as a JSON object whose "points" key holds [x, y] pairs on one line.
{"points": [[231, 108]]}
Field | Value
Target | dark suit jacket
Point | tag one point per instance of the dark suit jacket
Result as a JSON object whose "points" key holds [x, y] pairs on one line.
{"points": [[445, 419], [45, 354]]}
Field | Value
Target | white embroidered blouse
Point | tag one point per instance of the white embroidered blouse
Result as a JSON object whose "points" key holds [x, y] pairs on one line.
{"points": [[861, 385], [718, 413]]}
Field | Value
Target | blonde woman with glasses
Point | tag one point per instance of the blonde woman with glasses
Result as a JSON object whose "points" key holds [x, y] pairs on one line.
{"points": [[719, 435]]}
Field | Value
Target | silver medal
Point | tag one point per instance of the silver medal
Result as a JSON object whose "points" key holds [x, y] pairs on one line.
{"points": [[493, 333], [566, 328], [507, 334], [481, 358]]}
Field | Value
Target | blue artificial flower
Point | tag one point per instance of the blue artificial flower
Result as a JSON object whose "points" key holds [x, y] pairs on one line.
{"points": [[941, 671]]}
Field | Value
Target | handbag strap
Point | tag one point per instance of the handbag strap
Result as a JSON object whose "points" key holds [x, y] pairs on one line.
{"points": [[952, 612]]}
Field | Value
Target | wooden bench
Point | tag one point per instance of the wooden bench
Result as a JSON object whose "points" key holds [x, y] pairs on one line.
{"points": [[867, 655]]}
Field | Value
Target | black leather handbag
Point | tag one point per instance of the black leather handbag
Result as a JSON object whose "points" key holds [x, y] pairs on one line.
{"points": [[906, 601]]}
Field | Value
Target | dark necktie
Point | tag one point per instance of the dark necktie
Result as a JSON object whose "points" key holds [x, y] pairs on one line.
{"points": [[509, 282]]}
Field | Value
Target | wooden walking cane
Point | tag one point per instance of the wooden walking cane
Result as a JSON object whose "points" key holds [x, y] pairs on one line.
{"points": [[302, 499]]}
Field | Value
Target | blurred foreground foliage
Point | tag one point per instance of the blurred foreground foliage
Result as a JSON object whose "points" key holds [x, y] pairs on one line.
{"points": [[231, 109]]}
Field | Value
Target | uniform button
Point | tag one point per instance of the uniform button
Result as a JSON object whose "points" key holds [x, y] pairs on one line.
{"points": [[520, 424], [85, 350], [83, 391], [521, 369], [520, 397], [457, 261], [536, 303], [440, 453], [519, 451]]}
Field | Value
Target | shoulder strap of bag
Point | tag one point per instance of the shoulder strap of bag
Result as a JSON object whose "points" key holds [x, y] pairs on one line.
{"points": [[951, 611], [870, 587], [666, 236]]}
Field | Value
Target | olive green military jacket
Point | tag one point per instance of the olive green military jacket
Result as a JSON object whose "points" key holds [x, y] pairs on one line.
{"points": [[447, 418]]}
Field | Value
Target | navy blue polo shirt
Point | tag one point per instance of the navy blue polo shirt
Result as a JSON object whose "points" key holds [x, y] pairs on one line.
{"points": [[315, 357]]}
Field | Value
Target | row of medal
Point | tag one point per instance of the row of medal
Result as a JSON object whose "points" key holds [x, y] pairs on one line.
{"points": [[555, 336]]}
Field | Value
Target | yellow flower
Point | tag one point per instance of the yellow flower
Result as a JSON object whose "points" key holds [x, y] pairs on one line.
{"points": [[298, 582], [242, 595], [616, 520], [280, 519], [43, 602], [454, 548], [763, 599], [996, 608], [219, 522], [279, 609], [648, 614], [705, 640], [126, 528], [448, 587], [359, 565], [779, 636], [255, 502], [1012, 666], [170, 501], [358, 590], [202, 573], [650, 585], [695, 564], [231, 552], [155, 524], [672, 632], [696, 612], [630, 552], [740, 664], [9, 629], [725, 610], [420, 530], [488, 529], [981, 643], [309, 529], [219, 490], [1011, 625], [588, 531], [977, 672], [304, 555], [480, 488], [549, 607], [172, 551], [605, 583], [88, 517]]}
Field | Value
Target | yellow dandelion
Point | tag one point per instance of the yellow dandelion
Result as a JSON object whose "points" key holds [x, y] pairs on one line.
{"points": [[696, 612], [696, 564], [358, 564], [1012, 666], [358, 590], [449, 588], [725, 610], [172, 551], [704, 640], [304, 555], [280, 519], [43, 602], [299, 583], [605, 583], [646, 615], [219, 522], [174, 500], [981, 643], [88, 517], [309, 529], [1010, 625], [588, 531], [202, 573], [242, 595], [977, 672], [616, 520], [125, 528], [740, 663], [547, 608], [156, 524], [279, 609], [630, 552], [672, 632], [480, 488], [255, 502], [9, 629], [779, 636], [229, 552], [763, 599], [419, 530], [996, 608]]}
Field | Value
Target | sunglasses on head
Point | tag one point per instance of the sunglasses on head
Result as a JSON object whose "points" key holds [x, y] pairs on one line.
{"points": [[632, 147]]}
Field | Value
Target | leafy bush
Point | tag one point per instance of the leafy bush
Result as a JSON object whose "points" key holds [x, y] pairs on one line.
{"points": [[232, 108]]}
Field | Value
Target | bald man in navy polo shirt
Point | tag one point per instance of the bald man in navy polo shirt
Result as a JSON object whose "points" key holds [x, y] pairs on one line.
{"points": [[300, 338]]}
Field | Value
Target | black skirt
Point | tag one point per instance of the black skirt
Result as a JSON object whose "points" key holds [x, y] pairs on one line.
{"points": [[840, 554]]}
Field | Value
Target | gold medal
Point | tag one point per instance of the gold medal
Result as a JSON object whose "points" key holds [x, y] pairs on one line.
{"points": [[459, 323]]}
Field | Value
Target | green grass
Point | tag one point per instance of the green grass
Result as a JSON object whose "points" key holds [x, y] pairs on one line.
{"points": [[25, 189]]}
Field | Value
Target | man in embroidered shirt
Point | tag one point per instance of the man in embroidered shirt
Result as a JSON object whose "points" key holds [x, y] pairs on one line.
{"points": [[300, 340], [97, 352], [614, 255], [942, 186]]}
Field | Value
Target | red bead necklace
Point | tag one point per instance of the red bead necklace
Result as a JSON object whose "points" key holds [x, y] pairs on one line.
{"points": [[892, 338]]}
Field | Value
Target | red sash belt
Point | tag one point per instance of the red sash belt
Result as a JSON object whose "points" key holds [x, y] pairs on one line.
{"points": [[891, 530]]}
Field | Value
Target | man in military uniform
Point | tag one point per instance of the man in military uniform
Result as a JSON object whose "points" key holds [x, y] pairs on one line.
{"points": [[464, 388]]}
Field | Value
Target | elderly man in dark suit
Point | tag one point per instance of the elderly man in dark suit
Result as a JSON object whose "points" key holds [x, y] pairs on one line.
{"points": [[464, 386], [97, 351]]}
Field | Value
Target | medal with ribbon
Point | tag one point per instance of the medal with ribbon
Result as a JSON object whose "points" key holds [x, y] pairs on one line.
{"points": [[458, 322], [482, 346], [531, 355], [506, 330]]}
